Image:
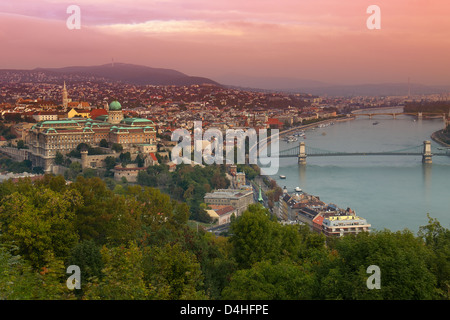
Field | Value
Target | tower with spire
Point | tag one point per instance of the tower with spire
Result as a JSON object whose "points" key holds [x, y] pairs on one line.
{"points": [[260, 198], [65, 97]]}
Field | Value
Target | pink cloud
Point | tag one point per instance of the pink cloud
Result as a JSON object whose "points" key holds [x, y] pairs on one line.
{"points": [[322, 39]]}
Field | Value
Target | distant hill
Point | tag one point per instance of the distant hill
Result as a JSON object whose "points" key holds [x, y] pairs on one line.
{"points": [[143, 75], [300, 85], [134, 74], [378, 89], [127, 73]]}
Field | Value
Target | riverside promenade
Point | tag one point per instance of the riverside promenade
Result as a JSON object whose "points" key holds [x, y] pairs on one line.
{"points": [[438, 137]]}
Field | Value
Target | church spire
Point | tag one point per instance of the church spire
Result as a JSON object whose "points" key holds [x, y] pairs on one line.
{"points": [[260, 198], [65, 98]]}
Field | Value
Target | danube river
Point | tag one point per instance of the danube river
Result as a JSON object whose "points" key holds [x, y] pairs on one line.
{"points": [[392, 192]]}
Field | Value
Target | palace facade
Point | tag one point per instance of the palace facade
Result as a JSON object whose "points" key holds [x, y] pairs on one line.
{"points": [[46, 138]]}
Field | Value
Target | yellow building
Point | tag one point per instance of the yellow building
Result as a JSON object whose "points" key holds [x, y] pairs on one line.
{"points": [[84, 113]]}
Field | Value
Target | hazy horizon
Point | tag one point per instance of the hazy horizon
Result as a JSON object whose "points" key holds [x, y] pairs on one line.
{"points": [[324, 41]]}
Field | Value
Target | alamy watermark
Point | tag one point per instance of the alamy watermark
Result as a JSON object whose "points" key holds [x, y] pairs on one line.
{"points": [[209, 147], [374, 281], [74, 20], [74, 281], [374, 20]]}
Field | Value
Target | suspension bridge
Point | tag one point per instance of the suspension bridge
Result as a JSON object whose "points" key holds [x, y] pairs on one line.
{"points": [[426, 150]]}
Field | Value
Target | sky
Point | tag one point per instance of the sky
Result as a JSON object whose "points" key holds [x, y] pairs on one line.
{"points": [[322, 40]]}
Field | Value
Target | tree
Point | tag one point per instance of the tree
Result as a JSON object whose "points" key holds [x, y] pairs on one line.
{"points": [[59, 158], [402, 258], [87, 256], [104, 143], [256, 237], [18, 280], [437, 238], [74, 170], [89, 173], [269, 281], [117, 147], [38, 170], [123, 276], [173, 274], [40, 222], [20, 144], [125, 158], [75, 167], [219, 181], [97, 210], [140, 160], [110, 163]]}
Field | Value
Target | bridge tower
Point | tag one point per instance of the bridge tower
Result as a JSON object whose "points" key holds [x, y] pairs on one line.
{"points": [[426, 157], [419, 115], [302, 153]]}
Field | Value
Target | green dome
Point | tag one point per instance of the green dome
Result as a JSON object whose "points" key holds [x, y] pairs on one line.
{"points": [[115, 105]]}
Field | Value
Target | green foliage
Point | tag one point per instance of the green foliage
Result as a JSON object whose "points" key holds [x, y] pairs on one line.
{"points": [[401, 257], [117, 147], [186, 183], [123, 276], [251, 171], [40, 222], [59, 158], [134, 243], [86, 254], [5, 131], [14, 166], [104, 143], [18, 280], [437, 238], [173, 273], [256, 238], [269, 281], [20, 144]]}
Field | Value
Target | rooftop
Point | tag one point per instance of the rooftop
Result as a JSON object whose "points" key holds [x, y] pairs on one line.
{"points": [[228, 193]]}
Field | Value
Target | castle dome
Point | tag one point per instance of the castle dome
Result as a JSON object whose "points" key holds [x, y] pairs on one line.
{"points": [[115, 106]]}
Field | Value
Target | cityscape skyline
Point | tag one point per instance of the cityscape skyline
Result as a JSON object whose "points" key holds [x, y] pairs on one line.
{"points": [[321, 41]]}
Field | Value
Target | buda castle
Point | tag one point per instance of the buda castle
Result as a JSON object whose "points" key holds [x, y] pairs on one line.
{"points": [[46, 138]]}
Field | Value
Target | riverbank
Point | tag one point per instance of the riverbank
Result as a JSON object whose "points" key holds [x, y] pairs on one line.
{"points": [[439, 136], [315, 124]]}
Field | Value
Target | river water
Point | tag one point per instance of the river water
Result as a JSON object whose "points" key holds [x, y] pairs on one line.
{"points": [[392, 192]]}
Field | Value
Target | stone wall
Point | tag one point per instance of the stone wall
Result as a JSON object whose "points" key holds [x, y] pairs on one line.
{"points": [[15, 154]]}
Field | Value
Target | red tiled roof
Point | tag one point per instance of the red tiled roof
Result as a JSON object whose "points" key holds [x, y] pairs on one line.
{"points": [[97, 112], [318, 220], [221, 209], [274, 121]]}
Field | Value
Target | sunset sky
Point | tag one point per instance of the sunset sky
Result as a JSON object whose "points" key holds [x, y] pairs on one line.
{"points": [[323, 40]]}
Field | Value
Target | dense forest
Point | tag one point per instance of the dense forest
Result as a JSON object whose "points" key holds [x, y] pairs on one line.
{"points": [[136, 244]]}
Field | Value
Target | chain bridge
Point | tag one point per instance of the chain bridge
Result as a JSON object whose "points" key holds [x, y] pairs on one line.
{"points": [[426, 150]]}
